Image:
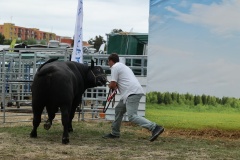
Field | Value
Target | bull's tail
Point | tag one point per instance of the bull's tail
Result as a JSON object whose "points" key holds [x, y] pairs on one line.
{"points": [[48, 61]]}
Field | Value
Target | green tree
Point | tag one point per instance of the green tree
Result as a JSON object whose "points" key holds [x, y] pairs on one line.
{"points": [[204, 99], [116, 31], [18, 41], [151, 97], [197, 100], [160, 98], [167, 98], [43, 42], [225, 100], [211, 100], [235, 103], [2, 38], [31, 41], [219, 100], [97, 42], [179, 101], [189, 99], [7, 42]]}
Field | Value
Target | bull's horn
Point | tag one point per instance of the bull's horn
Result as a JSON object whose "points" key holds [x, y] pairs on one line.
{"points": [[92, 63]]}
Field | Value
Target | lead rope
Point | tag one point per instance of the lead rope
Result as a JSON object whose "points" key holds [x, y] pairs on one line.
{"points": [[110, 98]]}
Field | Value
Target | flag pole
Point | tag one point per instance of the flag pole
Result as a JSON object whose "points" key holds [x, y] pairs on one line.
{"points": [[77, 54]]}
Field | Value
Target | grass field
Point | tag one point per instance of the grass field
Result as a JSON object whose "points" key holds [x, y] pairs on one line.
{"points": [[197, 118], [178, 142]]}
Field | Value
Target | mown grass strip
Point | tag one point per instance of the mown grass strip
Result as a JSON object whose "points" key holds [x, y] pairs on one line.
{"points": [[193, 118]]}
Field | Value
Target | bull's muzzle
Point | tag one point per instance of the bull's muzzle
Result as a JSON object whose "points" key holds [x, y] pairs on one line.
{"points": [[102, 81]]}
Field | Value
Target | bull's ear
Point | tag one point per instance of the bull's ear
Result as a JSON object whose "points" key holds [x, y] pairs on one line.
{"points": [[92, 63]]}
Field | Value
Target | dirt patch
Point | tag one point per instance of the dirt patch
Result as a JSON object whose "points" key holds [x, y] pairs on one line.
{"points": [[204, 133]]}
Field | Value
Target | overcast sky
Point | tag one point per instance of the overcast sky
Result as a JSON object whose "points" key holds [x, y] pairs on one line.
{"points": [[59, 16]]}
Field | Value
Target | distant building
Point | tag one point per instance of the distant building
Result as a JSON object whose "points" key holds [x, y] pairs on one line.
{"points": [[10, 31], [67, 40]]}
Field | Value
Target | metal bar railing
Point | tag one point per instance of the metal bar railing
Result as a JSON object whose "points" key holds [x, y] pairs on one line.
{"points": [[18, 69]]}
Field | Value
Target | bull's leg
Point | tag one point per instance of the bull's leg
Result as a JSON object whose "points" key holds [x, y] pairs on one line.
{"points": [[37, 112], [65, 119], [72, 113], [48, 123]]}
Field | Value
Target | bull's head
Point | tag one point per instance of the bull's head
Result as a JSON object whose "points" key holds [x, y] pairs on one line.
{"points": [[98, 74]]}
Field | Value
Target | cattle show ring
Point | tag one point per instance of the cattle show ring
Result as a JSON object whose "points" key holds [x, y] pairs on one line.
{"points": [[19, 67]]}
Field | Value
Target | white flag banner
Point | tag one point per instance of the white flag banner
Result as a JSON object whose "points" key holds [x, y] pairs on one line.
{"points": [[77, 54]]}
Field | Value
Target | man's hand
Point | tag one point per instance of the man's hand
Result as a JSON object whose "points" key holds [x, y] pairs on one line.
{"points": [[112, 85]]}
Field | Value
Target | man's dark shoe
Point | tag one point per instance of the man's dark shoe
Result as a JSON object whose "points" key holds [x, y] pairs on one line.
{"points": [[110, 135], [156, 132]]}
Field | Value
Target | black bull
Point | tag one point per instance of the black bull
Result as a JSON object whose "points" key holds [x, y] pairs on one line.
{"points": [[61, 85]]}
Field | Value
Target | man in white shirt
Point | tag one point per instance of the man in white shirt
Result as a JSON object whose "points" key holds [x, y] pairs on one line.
{"points": [[123, 79]]}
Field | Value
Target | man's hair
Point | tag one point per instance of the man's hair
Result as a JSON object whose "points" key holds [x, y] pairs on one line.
{"points": [[114, 57]]}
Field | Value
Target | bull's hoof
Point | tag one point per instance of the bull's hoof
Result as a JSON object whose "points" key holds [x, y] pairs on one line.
{"points": [[65, 140], [33, 134], [70, 130], [47, 125]]}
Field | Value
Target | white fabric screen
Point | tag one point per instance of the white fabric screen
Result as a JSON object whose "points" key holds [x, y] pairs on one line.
{"points": [[193, 47]]}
